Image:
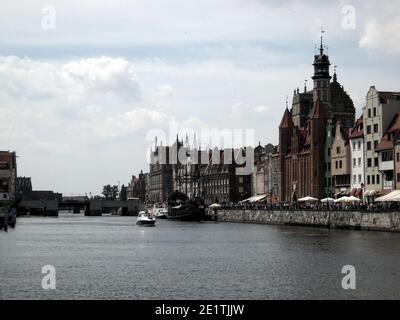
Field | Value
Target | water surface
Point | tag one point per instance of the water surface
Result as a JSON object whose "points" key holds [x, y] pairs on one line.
{"points": [[110, 257]]}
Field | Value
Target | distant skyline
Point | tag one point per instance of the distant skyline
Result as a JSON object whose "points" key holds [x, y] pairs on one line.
{"points": [[77, 101]]}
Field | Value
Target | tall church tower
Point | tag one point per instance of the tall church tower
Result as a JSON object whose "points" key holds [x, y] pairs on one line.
{"points": [[321, 76]]}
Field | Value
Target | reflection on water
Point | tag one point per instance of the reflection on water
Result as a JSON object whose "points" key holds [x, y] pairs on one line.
{"points": [[111, 258]]}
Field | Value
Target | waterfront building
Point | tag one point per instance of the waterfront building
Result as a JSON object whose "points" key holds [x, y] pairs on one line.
{"points": [[397, 163], [271, 174], [275, 189], [138, 186], [357, 159], [24, 186], [8, 175], [329, 140], [303, 131], [340, 161], [160, 175], [378, 113], [258, 175], [220, 182], [386, 154]]}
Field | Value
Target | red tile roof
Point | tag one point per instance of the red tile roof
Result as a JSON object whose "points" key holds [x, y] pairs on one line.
{"points": [[286, 120], [390, 135], [358, 129]]}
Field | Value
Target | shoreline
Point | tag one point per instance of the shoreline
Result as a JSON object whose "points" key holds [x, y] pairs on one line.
{"points": [[349, 220]]}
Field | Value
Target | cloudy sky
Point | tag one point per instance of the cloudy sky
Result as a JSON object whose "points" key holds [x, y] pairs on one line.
{"points": [[82, 83]]}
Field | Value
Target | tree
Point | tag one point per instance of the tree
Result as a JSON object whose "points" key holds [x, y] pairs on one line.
{"points": [[107, 191], [123, 193], [110, 192]]}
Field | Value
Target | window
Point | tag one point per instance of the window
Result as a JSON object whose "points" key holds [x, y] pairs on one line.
{"points": [[387, 156], [368, 129], [369, 162], [376, 162], [359, 162], [354, 179], [373, 179], [368, 180], [359, 145], [369, 145], [340, 164], [369, 113], [398, 177], [378, 178], [374, 112], [376, 144], [376, 127], [354, 162], [359, 178], [398, 157], [354, 146], [336, 165], [338, 150]]}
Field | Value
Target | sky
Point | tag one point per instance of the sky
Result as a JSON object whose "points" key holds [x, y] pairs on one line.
{"points": [[85, 85]]}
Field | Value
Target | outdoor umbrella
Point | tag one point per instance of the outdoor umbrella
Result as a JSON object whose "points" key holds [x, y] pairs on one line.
{"points": [[353, 199], [215, 206], [342, 199], [307, 199], [326, 200]]}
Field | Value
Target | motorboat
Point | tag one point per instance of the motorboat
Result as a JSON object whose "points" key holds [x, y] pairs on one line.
{"points": [[145, 218], [160, 211]]}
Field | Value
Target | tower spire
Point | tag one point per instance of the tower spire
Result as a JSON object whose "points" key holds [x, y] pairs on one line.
{"points": [[321, 49]]}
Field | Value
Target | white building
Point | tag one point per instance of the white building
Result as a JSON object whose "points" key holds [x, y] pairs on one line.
{"points": [[378, 113], [357, 158]]}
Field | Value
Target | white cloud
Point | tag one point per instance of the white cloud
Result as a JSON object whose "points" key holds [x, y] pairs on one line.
{"points": [[382, 36]]}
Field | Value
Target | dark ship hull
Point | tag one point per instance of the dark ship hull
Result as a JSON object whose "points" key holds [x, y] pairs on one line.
{"points": [[186, 212]]}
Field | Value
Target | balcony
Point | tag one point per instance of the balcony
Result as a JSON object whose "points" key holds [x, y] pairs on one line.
{"points": [[388, 184]]}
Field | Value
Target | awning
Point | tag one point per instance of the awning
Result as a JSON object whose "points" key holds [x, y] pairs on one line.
{"points": [[307, 199], [359, 192], [353, 192], [254, 199], [393, 196]]}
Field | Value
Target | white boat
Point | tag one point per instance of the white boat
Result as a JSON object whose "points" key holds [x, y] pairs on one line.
{"points": [[146, 218], [160, 211]]}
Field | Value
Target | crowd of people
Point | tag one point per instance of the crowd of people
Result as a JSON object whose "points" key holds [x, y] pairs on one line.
{"points": [[329, 206]]}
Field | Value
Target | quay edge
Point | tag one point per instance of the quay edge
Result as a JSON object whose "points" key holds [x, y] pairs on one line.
{"points": [[355, 220]]}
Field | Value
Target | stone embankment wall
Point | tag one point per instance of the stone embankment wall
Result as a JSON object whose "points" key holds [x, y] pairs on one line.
{"points": [[389, 221]]}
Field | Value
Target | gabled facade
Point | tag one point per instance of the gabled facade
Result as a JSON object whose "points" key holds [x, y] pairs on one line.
{"points": [[305, 134], [340, 163], [379, 112], [357, 159], [386, 153]]}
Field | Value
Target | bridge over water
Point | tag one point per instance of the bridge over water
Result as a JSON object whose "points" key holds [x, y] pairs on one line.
{"points": [[91, 207]]}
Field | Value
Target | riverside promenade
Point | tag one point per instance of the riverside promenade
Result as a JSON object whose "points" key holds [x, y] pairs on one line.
{"points": [[356, 220]]}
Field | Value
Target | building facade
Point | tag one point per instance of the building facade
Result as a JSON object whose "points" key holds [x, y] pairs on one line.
{"points": [[387, 154], [304, 169], [8, 175], [378, 113], [357, 159], [340, 161], [220, 182], [138, 186], [160, 175]]}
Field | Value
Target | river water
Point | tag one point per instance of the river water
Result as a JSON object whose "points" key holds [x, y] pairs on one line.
{"points": [[110, 257]]}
